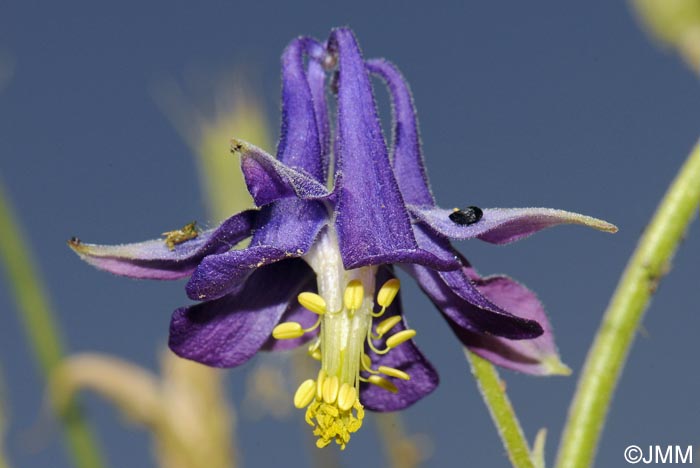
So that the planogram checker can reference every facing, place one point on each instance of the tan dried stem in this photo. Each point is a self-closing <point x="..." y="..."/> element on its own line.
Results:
<point x="185" y="409"/>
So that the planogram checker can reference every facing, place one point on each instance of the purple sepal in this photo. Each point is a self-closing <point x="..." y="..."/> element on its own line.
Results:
<point x="296" y="313"/>
<point x="154" y="260"/>
<point x="228" y="331"/>
<point x="299" y="145"/>
<point x="417" y="256"/>
<point x="457" y="298"/>
<point x="316" y="76"/>
<point x="371" y="218"/>
<point x="406" y="357"/>
<point x="538" y="356"/>
<point x="503" y="225"/>
<point x="286" y="229"/>
<point x="269" y="180"/>
<point x="407" y="157"/>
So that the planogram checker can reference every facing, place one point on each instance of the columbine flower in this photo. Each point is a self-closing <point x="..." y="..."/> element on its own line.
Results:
<point x="320" y="262"/>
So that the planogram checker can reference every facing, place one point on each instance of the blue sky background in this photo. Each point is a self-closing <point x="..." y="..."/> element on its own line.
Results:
<point x="555" y="104"/>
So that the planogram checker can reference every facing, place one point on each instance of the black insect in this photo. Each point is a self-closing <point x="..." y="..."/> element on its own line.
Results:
<point x="467" y="216"/>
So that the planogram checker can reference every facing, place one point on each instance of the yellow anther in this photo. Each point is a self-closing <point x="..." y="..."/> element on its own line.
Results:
<point x="354" y="294"/>
<point x="388" y="292"/>
<point x="319" y="383"/>
<point x="287" y="331"/>
<point x="330" y="389"/>
<point x="313" y="302"/>
<point x="391" y="372"/>
<point x="331" y="423"/>
<point x="404" y="335"/>
<point x="315" y="354"/>
<point x="387" y="324"/>
<point x="321" y="443"/>
<point x="346" y="397"/>
<point x="366" y="362"/>
<point x="305" y="393"/>
<point x="316" y="344"/>
<point x="383" y="383"/>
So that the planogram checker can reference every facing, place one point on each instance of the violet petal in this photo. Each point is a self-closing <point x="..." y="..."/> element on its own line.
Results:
<point x="269" y="180"/>
<point x="299" y="145"/>
<point x="372" y="221"/>
<point x="285" y="229"/>
<point x="316" y="76"/>
<point x="406" y="357"/>
<point x="407" y="158"/>
<point x="228" y="331"/>
<point x="457" y="298"/>
<point x="503" y="225"/>
<point x="538" y="356"/>
<point x="153" y="260"/>
<point x="296" y="313"/>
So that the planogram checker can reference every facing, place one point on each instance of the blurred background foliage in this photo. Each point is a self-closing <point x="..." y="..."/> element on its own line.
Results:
<point x="675" y="24"/>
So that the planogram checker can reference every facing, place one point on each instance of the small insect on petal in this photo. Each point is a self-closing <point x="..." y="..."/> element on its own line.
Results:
<point x="178" y="236"/>
<point x="467" y="216"/>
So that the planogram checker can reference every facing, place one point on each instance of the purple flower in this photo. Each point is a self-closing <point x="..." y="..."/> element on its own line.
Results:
<point x="319" y="266"/>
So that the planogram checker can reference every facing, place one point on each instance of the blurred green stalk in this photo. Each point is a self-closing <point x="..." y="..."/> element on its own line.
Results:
<point x="607" y="356"/>
<point x="3" y="425"/>
<point x="41" y="329"/>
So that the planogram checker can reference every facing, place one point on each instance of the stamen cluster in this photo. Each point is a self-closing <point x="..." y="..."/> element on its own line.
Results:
<point x="332" y="400"/>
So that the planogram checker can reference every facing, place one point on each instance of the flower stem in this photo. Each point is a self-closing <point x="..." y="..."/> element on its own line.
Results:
<point x="42" y="333"/>
<point x="501" y="410"/>
<point x="649" y="263"/>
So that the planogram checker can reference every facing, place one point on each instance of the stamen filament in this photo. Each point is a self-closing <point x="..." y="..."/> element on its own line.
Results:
<point x="393" y="341"/>
<point x="387" y="324"/>
<point x="392" y="372"/>
<point x="367" y="364"/>
<point x="383" y="383"/>
<point x="371" y="345"/>
<point x="344" y="305"/>
<point x="314" y="326"/>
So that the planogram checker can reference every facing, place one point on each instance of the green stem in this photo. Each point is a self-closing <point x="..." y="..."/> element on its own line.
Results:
<point x="650" y="262"/>
<point x="501" y="410"/>
<point x="3" y="461"/>
<point x="39" y="324"/>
